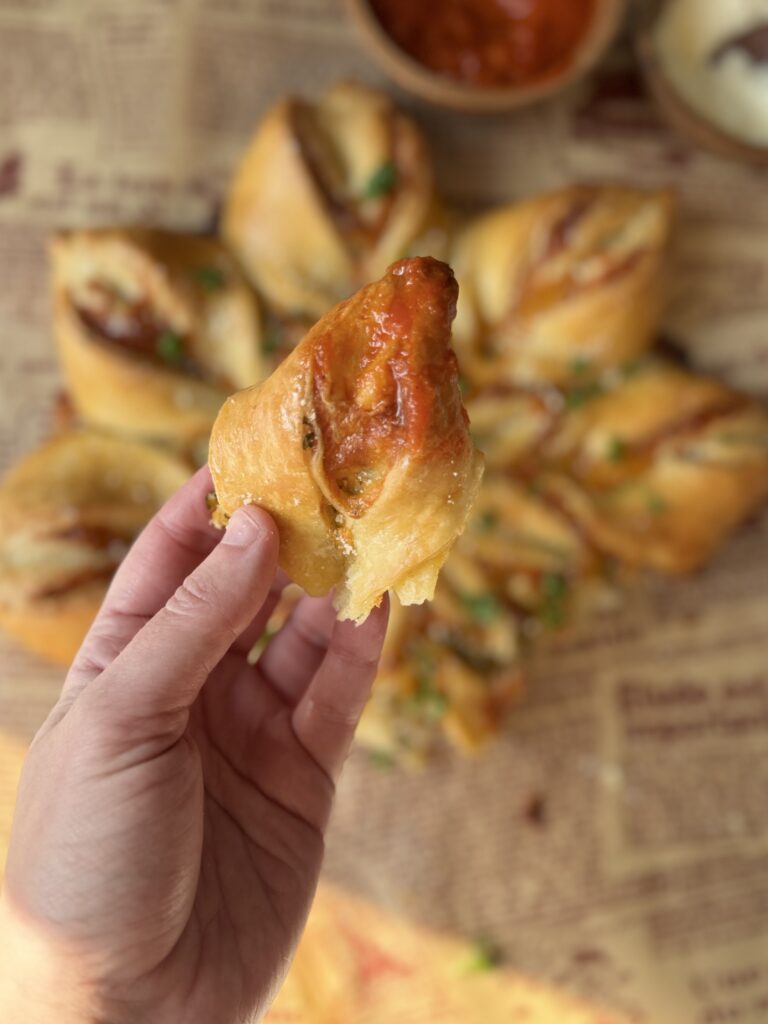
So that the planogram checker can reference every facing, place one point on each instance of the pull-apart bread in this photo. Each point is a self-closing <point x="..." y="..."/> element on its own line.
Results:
<point x="358" y="444"/>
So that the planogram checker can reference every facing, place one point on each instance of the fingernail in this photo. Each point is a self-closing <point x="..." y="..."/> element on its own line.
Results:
<point x="241" y="530"/>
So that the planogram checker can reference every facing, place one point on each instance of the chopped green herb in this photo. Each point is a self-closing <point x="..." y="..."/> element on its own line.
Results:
<point x="554" y="584"/>
<point x="260" y="646"/>
<point x="488" y="520"/>
<point x="484" y="956"/>
<point x="736" y="438"/>
<point x="170" y="347"/>
<point x="381" y="181"/>
<point x="210" y="278"/>
<point x="271" y="341"/>
<point x="426" y="697"/>
<point x="382" y="759"/>
<point x="580" y="364"/>
<point x="633" y="366"/>
<point x="554" y="590"/>
<point x="432" y="702"/>
<point x="616" y="450"/>
<point x="481" y="608"/>
<point x="656" y="504"/>
<point x="577" y="397"/>
<point x="463" y="384"/>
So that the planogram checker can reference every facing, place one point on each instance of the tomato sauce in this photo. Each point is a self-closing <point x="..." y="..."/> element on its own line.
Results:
<point x="488" y="43"/>
<point x="378" y="371"/>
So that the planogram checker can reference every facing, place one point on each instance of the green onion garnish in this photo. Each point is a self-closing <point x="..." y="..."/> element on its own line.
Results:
<point x="481" y="608"/>
<point x="381" y="181"/>
<point x="554" y="589"/>
<point x="210" y="278"/>
<point x="616" y="450"/>
<point x="170" y="347"/>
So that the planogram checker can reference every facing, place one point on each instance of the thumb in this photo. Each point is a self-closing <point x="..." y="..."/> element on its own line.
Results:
<point x="162" y="670"/>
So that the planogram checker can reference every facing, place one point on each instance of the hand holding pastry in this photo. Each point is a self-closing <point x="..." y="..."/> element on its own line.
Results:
<point x="169" y="825"/>
<point x="358" y="444"/>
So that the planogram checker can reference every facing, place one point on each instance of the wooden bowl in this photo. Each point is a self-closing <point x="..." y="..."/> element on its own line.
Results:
<point x="446" y="92"/>
<point x="680" y="117"/>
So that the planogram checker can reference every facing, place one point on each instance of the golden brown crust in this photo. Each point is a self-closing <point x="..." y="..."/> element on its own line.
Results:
<point x="154" y="329"/>
<point x="634" y="458"/>
<point x="358" y="444"/>
<point x="68" y="513"/>
<point x="561" y="282"/>
<point x="327" y="195"/>
<point x="650" y="468"/>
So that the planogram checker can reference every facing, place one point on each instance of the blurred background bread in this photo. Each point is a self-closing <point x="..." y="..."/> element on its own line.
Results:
<point x="69" y="511"/>
<point x="327" y="195"/>
<point x="154" y="330"/>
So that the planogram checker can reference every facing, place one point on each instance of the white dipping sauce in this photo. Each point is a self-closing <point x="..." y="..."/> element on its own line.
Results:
<point x="697" y="42"/>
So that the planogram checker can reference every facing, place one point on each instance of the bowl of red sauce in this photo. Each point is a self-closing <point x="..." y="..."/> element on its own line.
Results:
<point x="486" y="54"/>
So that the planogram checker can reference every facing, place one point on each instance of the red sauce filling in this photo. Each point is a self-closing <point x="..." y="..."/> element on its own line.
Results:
<point x="377" y="376"/>
<point x="488" y="43"/>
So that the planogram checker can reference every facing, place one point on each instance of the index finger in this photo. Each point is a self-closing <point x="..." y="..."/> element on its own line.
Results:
<point x="326" y="717"/>
<point x="173" y="543"/>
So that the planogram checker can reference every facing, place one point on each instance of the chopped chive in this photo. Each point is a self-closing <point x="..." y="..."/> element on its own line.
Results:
<point x="616" y="449"/>
<point x="381" y="181"/>
<point x="271" y="341"/>
<point x="382" y="759"/>
<point x="577" y="397"/>
<point x="736" y="438"/>
<point x="170" y="347"/>
<point x="483" y="956"/>
<point x="580" y="364"/>
<point x="426" y="697"/>
<point x="433" y="703"/>
<point x="656" y="504"/>
<point x="554" y="589"/>
<point x="488" y="520"/>
<point x="260" y="646"/>
<point x="633" y="367"/>
<point x="210" y="278"/>
<point x="481" y="608"/>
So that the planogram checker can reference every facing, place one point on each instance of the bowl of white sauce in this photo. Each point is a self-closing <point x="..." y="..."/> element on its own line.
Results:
<point x="706" y="64"/>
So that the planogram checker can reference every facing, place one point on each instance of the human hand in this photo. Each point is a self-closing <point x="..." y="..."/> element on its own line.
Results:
<point x="169" y="824"/>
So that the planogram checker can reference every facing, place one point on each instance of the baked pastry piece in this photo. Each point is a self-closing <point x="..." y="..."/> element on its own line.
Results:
<point x="328" y="194"/>
<point x="554" y="285"/>
<point x="662" y="469"/>
<point x="358" y="444"/>
<point x="650" y="466"/>
<point x="455" y="666"/>
<point x="68" y="513"/>
<point x="634" y="457"/>
<point x="154" y="330"/>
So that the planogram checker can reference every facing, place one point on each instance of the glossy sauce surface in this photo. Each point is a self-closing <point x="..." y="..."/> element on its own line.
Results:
<point x="396" y="358"/>
<point x="488" y="43"/>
